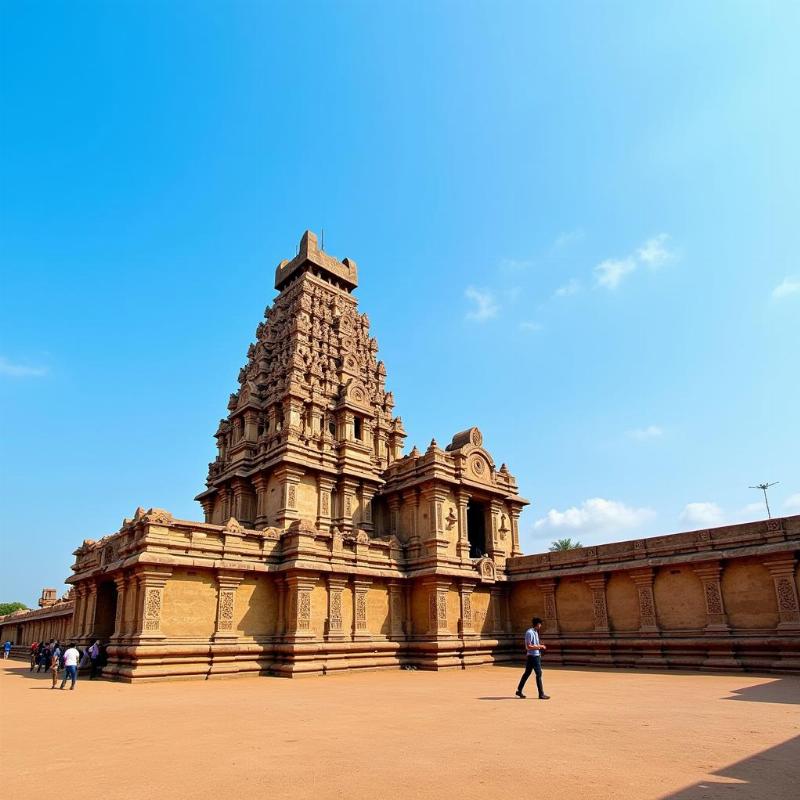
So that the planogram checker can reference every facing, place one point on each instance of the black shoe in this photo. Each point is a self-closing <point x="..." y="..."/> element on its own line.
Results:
<point x="544" y="696"/>
<point x="519" y="694"/>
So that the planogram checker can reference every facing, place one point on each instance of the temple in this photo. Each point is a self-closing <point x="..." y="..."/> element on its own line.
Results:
<point x="324" y="548"/>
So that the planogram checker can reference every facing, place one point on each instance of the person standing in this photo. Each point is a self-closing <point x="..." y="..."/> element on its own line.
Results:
<point x="34" y="654"/>
<point x="94" y="657"/>
<point x="71" y="656"/>
<point x="533" y="659"/>
<point x="6" y="648"/>
<point x="55" y="663"/>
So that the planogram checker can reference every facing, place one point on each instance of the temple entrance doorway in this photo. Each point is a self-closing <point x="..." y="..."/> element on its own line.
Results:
<point x="105" y="614"/>
<point x="476" y="528"/>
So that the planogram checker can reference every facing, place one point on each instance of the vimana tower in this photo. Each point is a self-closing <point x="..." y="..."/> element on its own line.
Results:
<point x="323" y="546"/>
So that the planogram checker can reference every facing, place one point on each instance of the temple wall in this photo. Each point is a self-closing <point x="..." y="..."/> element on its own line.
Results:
<point x="725" y="598"/>
<point x="189" y="605"/>
<point x="256" y="607"/>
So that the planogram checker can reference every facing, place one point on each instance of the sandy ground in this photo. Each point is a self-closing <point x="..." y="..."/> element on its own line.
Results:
<point x="604" y="734"/>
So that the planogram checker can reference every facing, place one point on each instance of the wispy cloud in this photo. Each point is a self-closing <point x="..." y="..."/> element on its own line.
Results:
<point x="654" y="253"/>
<point x="786" y="288"/>
<point x="572" y="286"/>
<point x="705" y="515"/>
<point x="645" y="434"/>
<point x="529" y="326"/>
<point x="609" y="273"/>
<point x="485" y="305"/>
<point x="513" y="266"/>
<point x="594" y="516"/>
<point x="566" y="238"/>
<point x="792" y="502"/>
<point x="12" y="370"/>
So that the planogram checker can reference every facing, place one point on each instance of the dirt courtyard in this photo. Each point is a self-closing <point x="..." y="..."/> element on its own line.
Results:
<point x="604" y="734"/>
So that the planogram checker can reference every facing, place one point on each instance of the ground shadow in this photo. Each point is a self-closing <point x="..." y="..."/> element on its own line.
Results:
<point x="769" y="774"/>
<point x="506" y="697"/>
<point x="778" y="690"/>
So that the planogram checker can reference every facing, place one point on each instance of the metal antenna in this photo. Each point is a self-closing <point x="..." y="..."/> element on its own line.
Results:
<point x="764" y="487"/>
<point x="322" y="245"/>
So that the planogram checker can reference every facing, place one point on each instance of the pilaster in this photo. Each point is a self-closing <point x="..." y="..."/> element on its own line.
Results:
<point x="466" y="588"/>
<point x="643" y="579"/>
<point x="396" y="609"/>
<point x="462" y="547"/>
<point x="360" y="620"/>
<point x="709" y="574"/>
<point x="298" y="618"/>
<point x="782" y="571"/>
<point x="150" y="602"/>
<point x="550" y="620"/>
<point x="436" y="590"/>
<point x="335" y="626"/>
<point x="599" y="607"/>
<point x="325" y="487"/>
<point x="227" y="583"/>
<point x="289" y="478"/>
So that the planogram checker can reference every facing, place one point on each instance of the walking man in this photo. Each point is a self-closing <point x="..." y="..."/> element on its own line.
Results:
<point x="71" y="656"/>
<point x="533" y="659"/>
<point x="6" y="649"/>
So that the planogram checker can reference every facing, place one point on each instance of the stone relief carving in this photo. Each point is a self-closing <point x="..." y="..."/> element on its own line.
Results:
<point x="361" y="610"/>
<point x="226" y="605"/>
<point x="787" y="599"/>
<point x="713" y="599"/>
<point x="304" y="610"/>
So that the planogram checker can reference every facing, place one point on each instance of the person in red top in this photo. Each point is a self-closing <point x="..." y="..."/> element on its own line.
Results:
<point x="34" y="652"/>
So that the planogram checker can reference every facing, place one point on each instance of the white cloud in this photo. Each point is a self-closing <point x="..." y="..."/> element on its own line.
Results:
<point x="13" y="370"/>
<point x="485" y="307"/>
<point x="792" y="502"/>
<point x="573" y="286"/>
<point x="787" y="287"/>
<point x="706" y="515"/>
<point x="646" y="434"/>
<point x="610" y="272"/>
<point x="594" y="516"/>
<point x="530" y="326"/>
<point x="654" y="252"/>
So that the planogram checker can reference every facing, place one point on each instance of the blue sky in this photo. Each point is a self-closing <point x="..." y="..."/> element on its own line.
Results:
<point x="576" y="227"/>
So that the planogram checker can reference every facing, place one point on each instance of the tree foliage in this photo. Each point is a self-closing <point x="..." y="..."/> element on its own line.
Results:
<point x="564" y="544"/>
<point x="8" y="608"/>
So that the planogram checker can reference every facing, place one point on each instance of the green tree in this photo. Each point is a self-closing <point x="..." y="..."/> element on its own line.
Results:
<point x="564" y="544"/>
<point x="7" y="608"/>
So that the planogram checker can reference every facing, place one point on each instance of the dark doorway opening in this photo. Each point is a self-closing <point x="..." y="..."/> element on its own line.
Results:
<point x="105" y="615"/>
<point x="476" y="529"/>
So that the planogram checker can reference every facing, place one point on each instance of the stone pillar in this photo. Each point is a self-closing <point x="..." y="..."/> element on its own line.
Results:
<point x="411" y="501"/>
<point x="335" y="628"/>
<point x="227" y="583"/>
<point x="514" y="514"/>
<point x="436" y="589"/>
<point x="76" y="628"/>
<point x="709" y="574"/>
<point x="366" y="494"/>
<point x="465" y="595"/>
<point x="250" y="425"/>
<point x="241" y="502"/>
<point x="121" y="582"/>
<point x="599" y="609"/>
<point x="462" y="547"/>
<point x="643" y="579"/>
<point x="782" y="570"/>
<point x="550" y="619"/>
<point x="396" y="610"/>
<point x="435" y="540"/>
<point x="393" y="502"/>
<point x="298" y="621"/>
<point x="324" y="502"/>
<point x="150" y="602"/>
<point x="347" y="506"/>
<point x="360" y="621"/>
<point x="91" y="607"/>
<point x="289" y="479"/>
<point x="260" y="485"/>
<point x="208" y="507"/>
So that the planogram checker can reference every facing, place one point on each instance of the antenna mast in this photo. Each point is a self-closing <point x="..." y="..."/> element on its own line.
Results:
<point x="764" y="487"/>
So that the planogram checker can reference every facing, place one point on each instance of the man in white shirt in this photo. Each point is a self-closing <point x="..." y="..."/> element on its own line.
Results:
<point x="533" y="659"/>
<point x="71" y="656"/>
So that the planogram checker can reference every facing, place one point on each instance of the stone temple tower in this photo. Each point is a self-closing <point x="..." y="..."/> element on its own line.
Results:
<point x="310" y="430"/>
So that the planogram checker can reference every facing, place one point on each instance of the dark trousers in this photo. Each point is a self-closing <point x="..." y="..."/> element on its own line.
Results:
<point x="532" y="664"/>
